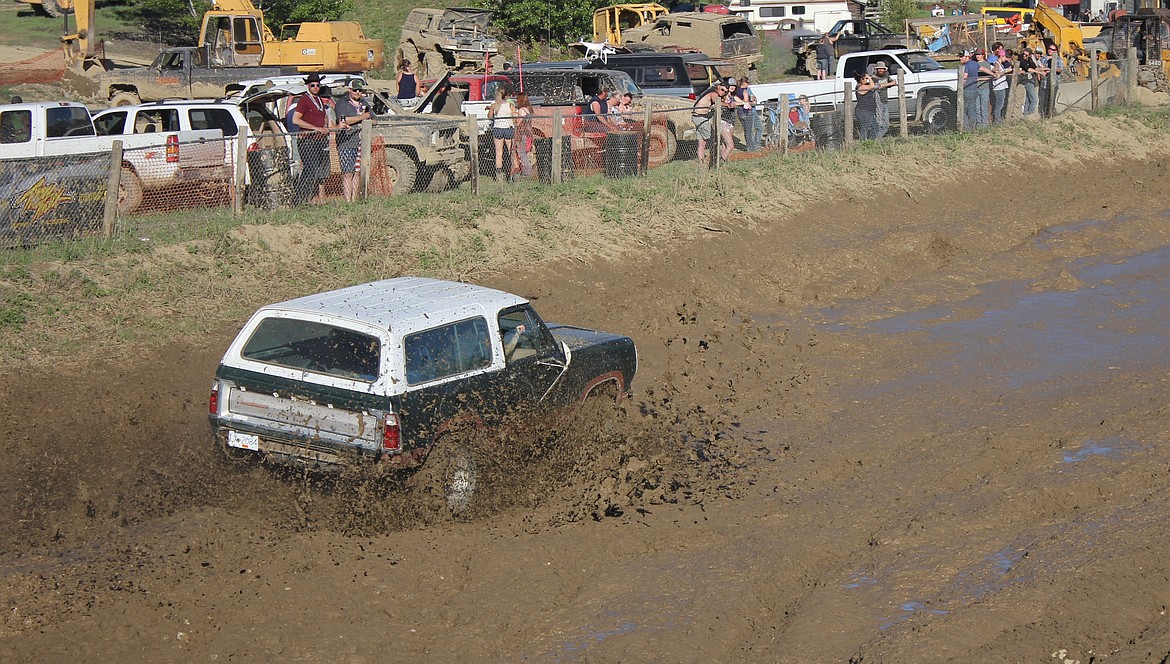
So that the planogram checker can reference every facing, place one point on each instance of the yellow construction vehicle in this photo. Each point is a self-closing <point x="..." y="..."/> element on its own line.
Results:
<point x="54" y="8"/>
<point x="608" y="22"/>
<point x="234" y="33"/>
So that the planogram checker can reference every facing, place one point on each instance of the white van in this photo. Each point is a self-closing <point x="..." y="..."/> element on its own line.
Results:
<point x="818" y="15"/>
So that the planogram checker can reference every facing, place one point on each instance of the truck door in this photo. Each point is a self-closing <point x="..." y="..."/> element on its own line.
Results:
<point x="533" y="360"/>
<point x="247" y="41"/>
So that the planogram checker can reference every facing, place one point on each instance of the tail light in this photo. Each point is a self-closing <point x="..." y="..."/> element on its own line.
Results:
<point x="391" y="436"/>
<point x="692" y="96"/>
<point x="213" y="402"/>
<point x="172" y="149"/>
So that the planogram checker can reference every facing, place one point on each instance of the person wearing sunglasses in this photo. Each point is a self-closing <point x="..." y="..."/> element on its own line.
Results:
<point x="312" y="119"/>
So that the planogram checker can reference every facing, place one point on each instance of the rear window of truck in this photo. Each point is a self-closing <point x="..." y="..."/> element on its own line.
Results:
<point x="317" y="347"/>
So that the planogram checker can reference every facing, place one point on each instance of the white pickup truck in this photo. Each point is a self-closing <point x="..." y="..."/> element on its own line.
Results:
<point x="150" y="160"/>
<point x="930" y="87"/>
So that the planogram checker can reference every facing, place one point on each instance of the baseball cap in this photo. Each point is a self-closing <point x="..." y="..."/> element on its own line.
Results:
<point x="965" y="54"/>
<point x="356" y="84"/>
<point x="980" y="51"/>
<point x="732" y="81"/>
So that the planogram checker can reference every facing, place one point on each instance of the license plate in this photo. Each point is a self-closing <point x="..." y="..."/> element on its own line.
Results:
<point x="244" y="441"/>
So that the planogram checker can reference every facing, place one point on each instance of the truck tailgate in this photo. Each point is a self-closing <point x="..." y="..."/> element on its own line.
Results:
<point x="298" y="419"/>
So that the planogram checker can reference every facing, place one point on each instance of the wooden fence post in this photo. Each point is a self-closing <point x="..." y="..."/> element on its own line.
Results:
<point x="903" y="122"/>
<point x="241" y="176"/>
<point x="848" y="114"/>
<point x="959" y="105"/>
<point x="1131" y="75"/>
<point x="717" y="134"/>
<point x="1012" y="112"/>
<point x="783" y="125"/>
<point x="558" y="132"/>
<point x="367" y="157"/>
<point x="473" y="150"/>
<point x="1094" y="79"/>
<point x="644" y="161"/>
<point x="113" y="184"/>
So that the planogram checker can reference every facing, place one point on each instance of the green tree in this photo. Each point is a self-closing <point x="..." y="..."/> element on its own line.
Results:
<point x="556" y="21"/>
<point x="894" y="12"/>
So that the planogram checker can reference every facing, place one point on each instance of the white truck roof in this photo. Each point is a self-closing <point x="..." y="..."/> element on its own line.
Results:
<point x="404" y="303"/>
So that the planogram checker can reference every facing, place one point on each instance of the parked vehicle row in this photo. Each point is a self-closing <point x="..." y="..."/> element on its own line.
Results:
<point x="156" y="157"/>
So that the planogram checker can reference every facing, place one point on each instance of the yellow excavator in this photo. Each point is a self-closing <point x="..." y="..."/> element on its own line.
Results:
<point x="235" y="36"/>
<point x="234" y="33"/>
<point x="54" y="8"/>
<point x="608" y="22"/>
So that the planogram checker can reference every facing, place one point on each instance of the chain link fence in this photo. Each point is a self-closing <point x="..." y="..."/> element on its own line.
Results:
<point x="68" y="197"/>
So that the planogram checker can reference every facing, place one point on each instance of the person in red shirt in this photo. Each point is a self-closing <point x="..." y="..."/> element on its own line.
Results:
<point x="312" y="118"/>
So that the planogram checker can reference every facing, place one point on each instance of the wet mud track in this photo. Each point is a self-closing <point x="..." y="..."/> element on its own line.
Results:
<point x="913" y="431"/>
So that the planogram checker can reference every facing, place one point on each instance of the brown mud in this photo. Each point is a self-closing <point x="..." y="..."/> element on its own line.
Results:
<point x="789" y="483"/>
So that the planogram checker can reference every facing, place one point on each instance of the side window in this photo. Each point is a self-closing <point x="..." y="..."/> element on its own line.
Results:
<point x="16" y="127"/>
<point x="111" y="124"/>
<point x="316" y="347"/>
<point x="213" y="118"/>
<point x="447" y="351"/>
<point x="524" y="335"/>
<point x="798" y="10"/>
<point x="68" y="121"/>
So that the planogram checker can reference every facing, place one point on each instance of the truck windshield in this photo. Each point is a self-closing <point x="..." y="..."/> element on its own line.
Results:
<point x="918" y="63"/>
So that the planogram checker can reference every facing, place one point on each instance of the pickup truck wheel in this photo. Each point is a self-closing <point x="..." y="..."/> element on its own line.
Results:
<point x="447" y="480"/>
<point x="938" y="116"/>
<point x="401" y="170"/>
<point x="125" y="99"/>
<point x="129" y="191"/>
<point x="663" y="145"/>
<point x="441" y="181"/>
<point x="810" y="63"/>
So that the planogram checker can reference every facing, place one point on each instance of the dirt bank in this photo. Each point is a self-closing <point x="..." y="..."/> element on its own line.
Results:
<point x="793" y="481"/>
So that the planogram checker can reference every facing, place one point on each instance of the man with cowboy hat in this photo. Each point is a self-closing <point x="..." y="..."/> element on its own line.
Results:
<point x="312" y="118"/>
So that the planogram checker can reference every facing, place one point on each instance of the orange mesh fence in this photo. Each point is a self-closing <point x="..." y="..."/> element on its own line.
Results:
<point x="44" y="68"/>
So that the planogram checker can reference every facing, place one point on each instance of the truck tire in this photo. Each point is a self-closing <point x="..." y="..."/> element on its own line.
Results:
<point x="125" y="98"/>
<point x="810" y="63"/>
<point x="441" y="180"/>
<point x="57" y="8"/>
<point x="938" y="116"/>
<point x="445" y="484"/>
<point x="663" y="146"/>
<point x="129" y="191"/>
<point x="401" y="170"/>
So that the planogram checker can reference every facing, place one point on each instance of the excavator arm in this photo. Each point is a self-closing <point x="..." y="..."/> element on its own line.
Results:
<point x="80" y="46"/>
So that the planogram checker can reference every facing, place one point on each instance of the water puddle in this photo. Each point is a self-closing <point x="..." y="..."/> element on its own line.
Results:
<point x="1113" y="448"/>
<point x="1011" y="336"/>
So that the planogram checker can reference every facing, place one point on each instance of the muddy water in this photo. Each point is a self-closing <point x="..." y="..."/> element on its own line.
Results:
<point x="964" y="462"/>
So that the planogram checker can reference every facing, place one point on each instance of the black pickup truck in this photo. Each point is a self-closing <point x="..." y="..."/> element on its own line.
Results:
<point x="179" y="73"/>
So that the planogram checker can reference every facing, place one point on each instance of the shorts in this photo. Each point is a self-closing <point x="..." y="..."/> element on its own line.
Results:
<point x="505" y="133"/>
<point x="703" y="127"/>
<point x="823" y="65"/>
<point x="349" y="159"/>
